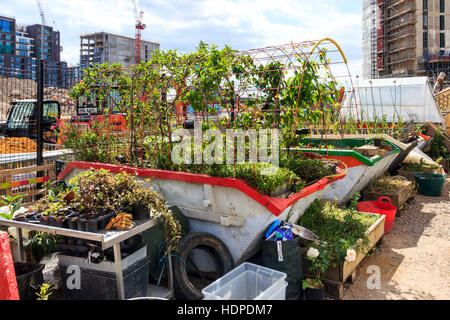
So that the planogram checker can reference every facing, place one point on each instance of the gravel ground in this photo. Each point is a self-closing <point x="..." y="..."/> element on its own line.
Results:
<point x="414" y="259"/>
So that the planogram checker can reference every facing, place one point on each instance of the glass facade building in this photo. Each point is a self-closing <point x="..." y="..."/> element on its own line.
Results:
<point x="20" y="49"/>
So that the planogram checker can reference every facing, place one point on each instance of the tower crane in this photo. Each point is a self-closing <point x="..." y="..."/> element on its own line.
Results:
<point x="139" y="27"/>
<point x="41" y="10"/>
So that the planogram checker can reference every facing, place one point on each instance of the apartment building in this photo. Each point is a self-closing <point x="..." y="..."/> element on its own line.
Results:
<point x="20" y="49"/>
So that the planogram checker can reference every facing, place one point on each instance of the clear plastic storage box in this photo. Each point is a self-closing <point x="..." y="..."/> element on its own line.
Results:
<point x="248" y="282"/>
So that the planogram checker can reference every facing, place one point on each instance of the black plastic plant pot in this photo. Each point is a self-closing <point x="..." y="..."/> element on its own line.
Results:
<point x="29" y="277"/>
<point x="34" y="217"/>
<point x="44" y="220"/>
<point x="81" y="224"/>
<point x="104" y="220"/>
<point x="303" y="131"/>
<point x="72" y="223"/>
<point x="92" y="225"/>
<point x="20" y="218"/>
<point x="52" y="221"/>
<point x="60" y="222"/>
<point x="378" y="142"/>
<point x="140" y="212"/>
<point x="315" y="294"/>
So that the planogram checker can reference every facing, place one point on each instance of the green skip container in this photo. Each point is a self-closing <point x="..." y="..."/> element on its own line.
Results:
<point x="430" y="184"/>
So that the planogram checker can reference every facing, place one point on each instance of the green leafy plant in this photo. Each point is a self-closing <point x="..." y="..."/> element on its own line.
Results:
<point x="13" y="203"/>
<point x="342" y="229"/>
<point x="97" y="190"/>
<point x="389" y="184"/>
<point x="438" y="149"/>
<point x="354" y="201"/>
<point x="308" y="170"/>
<point x="321" y="257"/>
<point x="41" y="244"/>
<point x="43" y="293"/>
<point x="421" y="166"/>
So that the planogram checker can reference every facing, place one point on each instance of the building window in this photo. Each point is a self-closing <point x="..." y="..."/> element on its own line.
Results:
<point x="442" y="40"/>
<point x="442" y="6"/>
<point x="425" y="22"/>
<point x="442" y="22"/>
<point x="425" y="5"/>
<point x="5" y="26"/>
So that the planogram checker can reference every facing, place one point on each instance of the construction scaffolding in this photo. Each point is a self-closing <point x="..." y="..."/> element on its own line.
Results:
<point x="399" y="39"/>
<point x="396" y="39"/>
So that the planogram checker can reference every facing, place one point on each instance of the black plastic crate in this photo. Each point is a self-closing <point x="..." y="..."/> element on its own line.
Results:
<point x="97" y="285"/>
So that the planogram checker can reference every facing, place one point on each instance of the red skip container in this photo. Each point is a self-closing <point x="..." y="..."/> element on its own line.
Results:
<point x="381" y="207"/>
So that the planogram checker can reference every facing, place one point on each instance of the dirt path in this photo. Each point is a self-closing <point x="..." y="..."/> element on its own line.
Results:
<point x="414" y="259"/>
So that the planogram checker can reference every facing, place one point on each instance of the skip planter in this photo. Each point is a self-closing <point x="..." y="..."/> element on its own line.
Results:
<point x="226" y="207"/>
<point x="361" y="169"/>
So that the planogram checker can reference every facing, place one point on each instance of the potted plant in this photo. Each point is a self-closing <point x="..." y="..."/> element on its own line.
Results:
<point x="378" y="140"/>
<point x="13" y="203"/>
<point x="320" y="258"/>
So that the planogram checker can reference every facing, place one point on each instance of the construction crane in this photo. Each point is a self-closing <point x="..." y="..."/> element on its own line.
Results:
<point x="139" y="27"/>
<point x="41" y="10"/>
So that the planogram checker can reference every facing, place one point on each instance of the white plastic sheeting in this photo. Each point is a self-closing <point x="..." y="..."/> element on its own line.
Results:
<point x="403" y="99"/>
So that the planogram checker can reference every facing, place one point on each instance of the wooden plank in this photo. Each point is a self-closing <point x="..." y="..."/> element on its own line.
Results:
<point x="4" y="173"/>
<point x="371" y="150"/>
<point x="32" y="192"/>
<point x="375" y="233"/>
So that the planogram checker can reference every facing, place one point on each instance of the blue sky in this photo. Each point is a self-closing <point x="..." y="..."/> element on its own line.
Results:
<point x="181" y="24"/>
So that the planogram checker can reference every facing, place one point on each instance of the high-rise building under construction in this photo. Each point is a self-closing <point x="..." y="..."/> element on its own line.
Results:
<point x="406" y="38"/>
<point x="103" y="47"/>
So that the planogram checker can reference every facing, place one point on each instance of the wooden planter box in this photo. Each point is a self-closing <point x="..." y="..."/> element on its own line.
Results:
<point x="446" y="164"/>
<point x="398" y="198"/>
<point x="410" y="174"/>
<point x="336" y="276"/>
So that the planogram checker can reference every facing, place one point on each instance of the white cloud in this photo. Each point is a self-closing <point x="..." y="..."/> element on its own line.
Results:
<point x="178" y="24"/>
